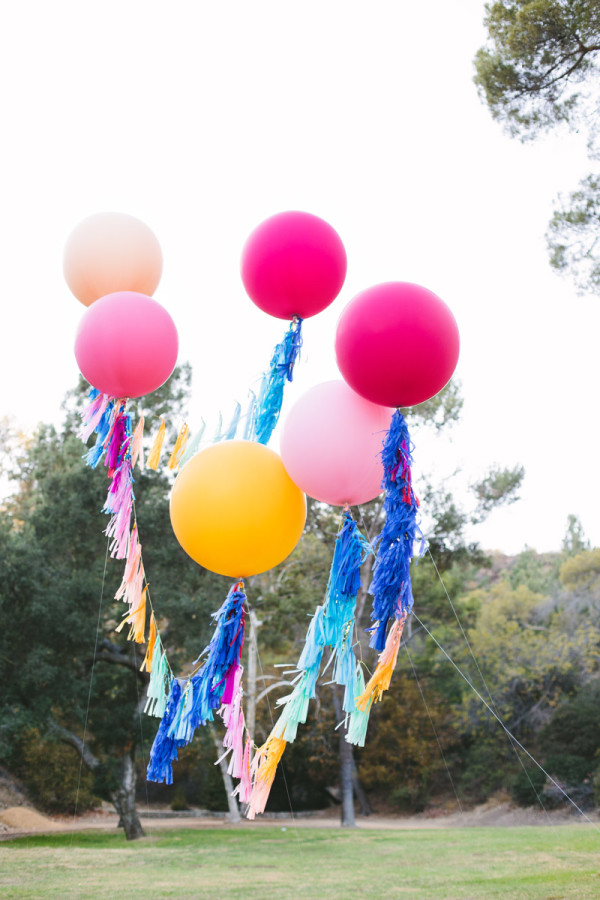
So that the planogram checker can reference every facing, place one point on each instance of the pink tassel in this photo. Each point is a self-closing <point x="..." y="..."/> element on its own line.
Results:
<point x="233" y="719"/>
<point x="92" y="414"/>
<point x="244" y="788"/>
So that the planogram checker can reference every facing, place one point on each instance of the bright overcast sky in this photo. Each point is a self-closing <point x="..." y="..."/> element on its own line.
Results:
<point x="202" y="119"/>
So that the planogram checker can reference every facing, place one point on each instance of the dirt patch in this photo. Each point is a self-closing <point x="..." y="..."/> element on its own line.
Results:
<point x="21" y="818"/>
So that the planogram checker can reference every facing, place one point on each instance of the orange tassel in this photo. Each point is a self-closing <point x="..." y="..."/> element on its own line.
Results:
<point x="147" y="664"/>
<point x="137" y="450"/>
<point x="264" y="767"/>
<point x="179" y="447"/>
<point x="154" y="458"/>
<point x="137" y="621"/>
<point x="382" y="676"/>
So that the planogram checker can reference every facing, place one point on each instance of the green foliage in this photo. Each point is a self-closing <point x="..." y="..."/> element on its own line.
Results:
<point x="572" y="236"/>
<point x="41" y="758"/>
<point x="538" y="70"/>
<point x="528" y="786"/>
<point x="538" y="51"/>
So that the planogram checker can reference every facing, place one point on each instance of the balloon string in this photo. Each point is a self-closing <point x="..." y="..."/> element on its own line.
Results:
<point x="483" y="680"/>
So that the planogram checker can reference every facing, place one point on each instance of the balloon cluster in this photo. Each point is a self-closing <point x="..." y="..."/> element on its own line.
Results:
<point x="237" y="507"/>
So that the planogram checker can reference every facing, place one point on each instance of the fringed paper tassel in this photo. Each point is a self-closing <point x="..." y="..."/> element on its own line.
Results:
<point x="380" y="680"/>
<point x="233" y="718"/>
<point x="222" y="654"/>
<point x="159" y="686"/>
<point x="132" y="584"/>
<point x="93" y="414"/>
<point x="281" y="370"/>
<point x="97" y="417"/>
<point x="137" y="446"/>
<point x="391" y="585"/>
<point x="146" y="666"/>
<point x="119" y="501"/>
<point x="164" y="749"/>
<point x="359" y="718"/>
<point x="181" y="729"/>
<point x="154" y="457"/>
<point x="244" y="789"/>
<point x="179" y="448"/>
<point x="264" y="768"/>
<point x="136" y="619"/>
<point x="344" y="672"/>
<point x="193" y="445"/>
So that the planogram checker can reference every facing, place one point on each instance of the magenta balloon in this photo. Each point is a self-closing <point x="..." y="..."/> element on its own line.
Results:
<point x="331" y="443"/>
<point x="126" y="344"/>
<point x="293" y="264"/>
<point x="397" y="344"/>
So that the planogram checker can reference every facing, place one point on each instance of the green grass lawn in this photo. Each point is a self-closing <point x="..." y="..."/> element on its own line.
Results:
<point x="270" y="862"/>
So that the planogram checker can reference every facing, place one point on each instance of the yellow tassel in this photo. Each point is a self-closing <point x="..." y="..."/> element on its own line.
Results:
<point x="137" y="621"/>
<point x="382" y="676"/>
<point x="179" y="447"/>
<point x="137" y="450"/>
<point x="264" y="767"/>
<point x="147" y="664"/>
<point x="154" y="458"/>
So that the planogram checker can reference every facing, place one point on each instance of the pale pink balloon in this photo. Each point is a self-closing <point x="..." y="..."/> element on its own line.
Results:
<point x="110" y="252"/>
<point x="331" y="444"/>
<point x="126" y="344"/>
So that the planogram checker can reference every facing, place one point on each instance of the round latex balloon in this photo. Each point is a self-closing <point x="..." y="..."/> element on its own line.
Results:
<point x="331" y="444"/>
<point x="126" y="344"/>
<point x="111" y="252"/>
<point x="397" y="344"/>
<point x="293" y="264"/>
<point x="235" y="510"/>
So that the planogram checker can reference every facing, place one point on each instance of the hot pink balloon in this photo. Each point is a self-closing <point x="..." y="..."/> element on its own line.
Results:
<point x="397" y="344"/>
<point x="331" y="443"/>
<point x="126" y="344"/>
<point x="293" y="264"/>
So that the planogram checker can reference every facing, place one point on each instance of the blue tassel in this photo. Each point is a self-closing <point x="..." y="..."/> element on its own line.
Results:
<point x="164" y="748"/>
<point x="281" y="370"/>
<point x="233" y="425"/>
<point x="222" y="653"/>
<point x="94" y="454"/>
<point x="391" y="585"/>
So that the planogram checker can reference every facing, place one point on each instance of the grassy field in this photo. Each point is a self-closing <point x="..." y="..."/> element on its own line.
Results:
<point x="547" y="863"/>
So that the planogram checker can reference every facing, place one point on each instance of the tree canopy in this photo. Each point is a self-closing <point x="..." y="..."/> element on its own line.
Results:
<point x="538" y="70"/>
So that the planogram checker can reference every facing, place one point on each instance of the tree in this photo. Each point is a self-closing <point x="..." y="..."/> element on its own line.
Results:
<point x="539" y="70"/>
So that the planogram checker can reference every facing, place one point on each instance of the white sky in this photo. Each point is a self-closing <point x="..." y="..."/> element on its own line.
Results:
<point x="202" y="119"/>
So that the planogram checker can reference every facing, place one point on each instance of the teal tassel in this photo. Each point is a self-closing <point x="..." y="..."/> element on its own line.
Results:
<point x="359" y="719"/>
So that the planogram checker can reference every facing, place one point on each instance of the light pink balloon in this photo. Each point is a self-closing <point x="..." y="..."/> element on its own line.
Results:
<point x="331" y="443"/>
<point x="110" y="252"/>
<point x="126" y="344"/>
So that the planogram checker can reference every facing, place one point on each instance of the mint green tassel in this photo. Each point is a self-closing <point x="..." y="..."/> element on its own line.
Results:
<point x="359" y="719"/>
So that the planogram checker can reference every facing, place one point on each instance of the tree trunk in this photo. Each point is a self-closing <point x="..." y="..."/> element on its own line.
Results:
<point x="359" y="793"/>
<point x="252" y="657"/>
<point x="234" y="810"/>
<point x="123" y="798"/>
<point x="346" y="767"/>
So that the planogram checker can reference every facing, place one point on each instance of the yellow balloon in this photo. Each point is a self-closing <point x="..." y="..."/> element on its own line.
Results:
<point x="235" y="510"/>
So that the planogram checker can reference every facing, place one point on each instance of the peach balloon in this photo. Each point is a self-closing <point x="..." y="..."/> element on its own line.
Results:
<point x="110" y="252"/>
